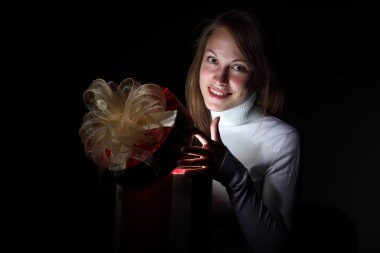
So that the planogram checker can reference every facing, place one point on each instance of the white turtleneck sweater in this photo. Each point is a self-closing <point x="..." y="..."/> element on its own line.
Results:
<point x="254" y="190"/>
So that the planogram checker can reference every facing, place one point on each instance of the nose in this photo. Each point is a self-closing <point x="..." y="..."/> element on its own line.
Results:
<point x="221" y="76"/>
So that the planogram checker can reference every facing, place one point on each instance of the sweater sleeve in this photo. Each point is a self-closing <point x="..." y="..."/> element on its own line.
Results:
<point x="266" y="228"/>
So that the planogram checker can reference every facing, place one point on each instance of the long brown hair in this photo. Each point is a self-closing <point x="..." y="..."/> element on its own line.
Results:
<point x="249" y="37"/>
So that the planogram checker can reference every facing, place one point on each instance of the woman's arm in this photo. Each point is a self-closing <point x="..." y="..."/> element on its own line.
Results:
<point x="265" y="220"/>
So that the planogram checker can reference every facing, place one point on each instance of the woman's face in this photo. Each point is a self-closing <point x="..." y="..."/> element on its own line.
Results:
<point x="224" y="73"/>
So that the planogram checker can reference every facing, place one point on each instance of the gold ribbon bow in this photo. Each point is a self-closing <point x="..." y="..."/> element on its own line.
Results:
<point x="119" y="117"/>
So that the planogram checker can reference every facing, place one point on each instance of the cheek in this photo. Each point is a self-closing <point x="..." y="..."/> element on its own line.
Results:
<point x="203" y="74"/>
<point x="241" y="82"/>
<point x="205" y="70"/>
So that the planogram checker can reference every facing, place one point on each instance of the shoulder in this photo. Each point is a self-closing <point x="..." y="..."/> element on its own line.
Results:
<point x="276" y="126"/>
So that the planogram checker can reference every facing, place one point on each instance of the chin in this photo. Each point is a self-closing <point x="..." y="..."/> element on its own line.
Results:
<point x="216" y="108"/>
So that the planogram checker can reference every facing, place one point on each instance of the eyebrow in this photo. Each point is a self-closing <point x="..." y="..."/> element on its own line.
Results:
<point x="237" y="60"/>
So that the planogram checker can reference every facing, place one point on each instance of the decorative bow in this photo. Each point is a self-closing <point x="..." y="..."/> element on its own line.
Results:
<point x="120" y="117"/>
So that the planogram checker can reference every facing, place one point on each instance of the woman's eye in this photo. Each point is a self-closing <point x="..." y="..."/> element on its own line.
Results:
<point x="240" y="68"/>
<point x="212" y="60"/>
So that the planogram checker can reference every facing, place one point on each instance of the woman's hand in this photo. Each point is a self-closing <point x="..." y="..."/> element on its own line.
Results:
<point x="210" y="155"/>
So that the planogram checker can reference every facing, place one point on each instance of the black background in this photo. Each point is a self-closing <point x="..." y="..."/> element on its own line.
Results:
<point x="52" y="198"/>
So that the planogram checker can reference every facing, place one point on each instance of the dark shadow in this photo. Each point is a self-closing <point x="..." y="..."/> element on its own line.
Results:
<point x="321" y="228"/>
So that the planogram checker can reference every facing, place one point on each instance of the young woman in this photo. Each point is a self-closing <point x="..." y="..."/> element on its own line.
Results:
<point x="252" y="155"/>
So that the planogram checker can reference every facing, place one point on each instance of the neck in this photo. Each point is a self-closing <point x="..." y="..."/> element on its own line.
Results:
<point x="240" y="114"/>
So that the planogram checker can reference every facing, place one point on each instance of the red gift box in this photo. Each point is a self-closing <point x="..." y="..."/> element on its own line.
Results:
<point x="171" y="215"/>
<point x="157" y="207"/>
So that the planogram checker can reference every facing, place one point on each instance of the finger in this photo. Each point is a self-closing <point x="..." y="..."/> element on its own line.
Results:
<point x="193" y="162"/>
<point x="195" y="151"/>
<point x="214" y="129"/>
<point x="202" y="137"/>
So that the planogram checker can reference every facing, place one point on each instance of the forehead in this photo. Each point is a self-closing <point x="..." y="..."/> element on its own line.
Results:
<point x="221" y="42"/>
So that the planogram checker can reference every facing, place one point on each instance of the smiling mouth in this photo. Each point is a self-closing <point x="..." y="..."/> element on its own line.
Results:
<point x="218" y="93"/>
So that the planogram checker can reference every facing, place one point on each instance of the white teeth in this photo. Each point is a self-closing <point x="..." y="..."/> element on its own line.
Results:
<point x="217" y="92"/>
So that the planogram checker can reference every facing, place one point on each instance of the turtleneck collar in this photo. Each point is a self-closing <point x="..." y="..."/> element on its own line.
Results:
<point x="239" y="114"/>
